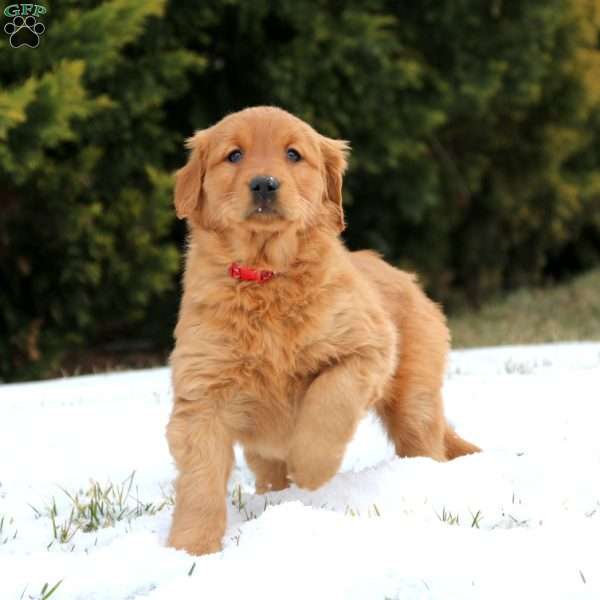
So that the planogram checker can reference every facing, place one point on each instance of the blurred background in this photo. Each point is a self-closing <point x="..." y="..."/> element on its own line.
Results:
<point x="475" y="127"/>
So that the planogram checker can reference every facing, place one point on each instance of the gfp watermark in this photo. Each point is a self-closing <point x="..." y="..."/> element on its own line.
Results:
<point x="24" y="28"/>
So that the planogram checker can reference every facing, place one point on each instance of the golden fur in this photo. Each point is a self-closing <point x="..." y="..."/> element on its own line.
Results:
<point x="288" y="367"/>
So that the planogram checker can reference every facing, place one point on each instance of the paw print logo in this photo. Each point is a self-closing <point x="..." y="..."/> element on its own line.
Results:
<point x="24" y="31"/>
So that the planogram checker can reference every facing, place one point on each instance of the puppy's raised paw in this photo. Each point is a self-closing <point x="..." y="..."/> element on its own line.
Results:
<point x="310" y="468"/>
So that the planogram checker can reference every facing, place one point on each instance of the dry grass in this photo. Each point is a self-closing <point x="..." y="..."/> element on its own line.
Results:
<point x="98" y="507"/>
<point x="568" y="312"/>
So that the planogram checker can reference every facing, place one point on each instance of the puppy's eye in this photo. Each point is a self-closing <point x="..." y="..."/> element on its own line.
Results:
<point x="293" y="155"/>
<point x="235" y="156"/>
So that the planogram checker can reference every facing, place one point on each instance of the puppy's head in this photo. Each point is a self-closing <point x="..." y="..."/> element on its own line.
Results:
<point x="262" y="169"/>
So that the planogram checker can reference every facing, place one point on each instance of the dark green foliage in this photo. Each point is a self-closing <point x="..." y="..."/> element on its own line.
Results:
<point x="475" y="129"/>
<point x="85" y="216"/>
<point x="469" y="123"/>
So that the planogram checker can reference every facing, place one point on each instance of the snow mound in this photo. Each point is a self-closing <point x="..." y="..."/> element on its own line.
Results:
<point x="85" y="496"/>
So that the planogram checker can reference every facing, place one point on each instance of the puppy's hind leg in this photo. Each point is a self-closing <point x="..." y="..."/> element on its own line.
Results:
<point x="456" y="446"/>
<point x="271" y="474"/>
<point x="414" y="421"/>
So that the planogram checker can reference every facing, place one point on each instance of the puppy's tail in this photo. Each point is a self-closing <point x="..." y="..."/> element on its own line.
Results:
<point x="456" y="446"/>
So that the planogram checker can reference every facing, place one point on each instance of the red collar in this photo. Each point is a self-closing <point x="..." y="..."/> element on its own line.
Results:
<point x="248" y="274"/>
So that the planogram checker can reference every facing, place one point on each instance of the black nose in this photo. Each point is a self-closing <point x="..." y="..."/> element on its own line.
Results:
<point x="263" y="188"/>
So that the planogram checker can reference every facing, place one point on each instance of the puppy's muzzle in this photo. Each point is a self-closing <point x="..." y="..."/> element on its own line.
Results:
<point x="264" y="191"/>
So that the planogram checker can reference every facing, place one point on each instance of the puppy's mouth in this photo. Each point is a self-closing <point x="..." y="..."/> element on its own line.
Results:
<point x="264" y="212"/>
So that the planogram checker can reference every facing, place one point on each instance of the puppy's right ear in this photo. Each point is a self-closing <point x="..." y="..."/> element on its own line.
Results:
<point x="188" y="180"/>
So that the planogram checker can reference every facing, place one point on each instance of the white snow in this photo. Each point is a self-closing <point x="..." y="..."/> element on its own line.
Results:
<point x="520" y="520"/>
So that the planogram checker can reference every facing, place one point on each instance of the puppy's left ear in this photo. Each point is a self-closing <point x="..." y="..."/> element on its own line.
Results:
<point x="335" y="161"/>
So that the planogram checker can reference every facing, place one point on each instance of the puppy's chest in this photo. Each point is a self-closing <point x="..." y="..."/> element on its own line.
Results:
<point x="253" y="346"/>
<point x="272" y="337"/>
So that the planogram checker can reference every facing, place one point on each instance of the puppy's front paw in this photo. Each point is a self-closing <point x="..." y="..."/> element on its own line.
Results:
<point x="194" y="544"/>
<point x="311" y="467"/>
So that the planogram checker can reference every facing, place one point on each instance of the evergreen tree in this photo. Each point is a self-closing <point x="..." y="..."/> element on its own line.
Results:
<point x="86" y="215"/>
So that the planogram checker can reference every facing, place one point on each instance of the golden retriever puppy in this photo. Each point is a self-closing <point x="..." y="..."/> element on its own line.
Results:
<point x="286" y="339"/>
